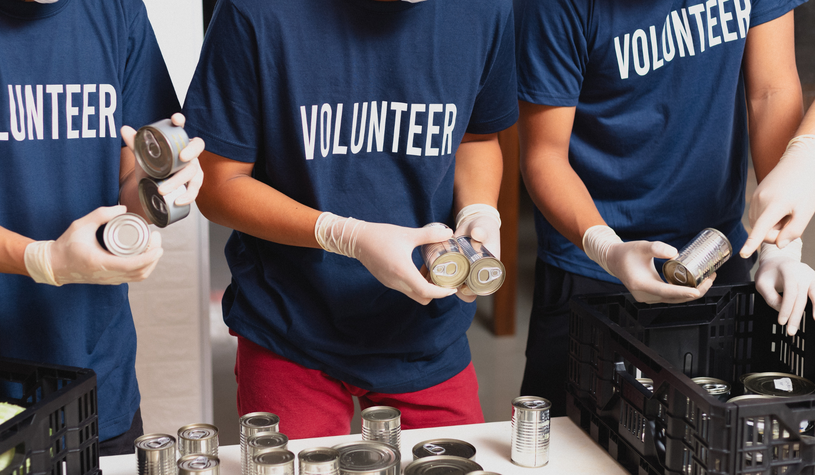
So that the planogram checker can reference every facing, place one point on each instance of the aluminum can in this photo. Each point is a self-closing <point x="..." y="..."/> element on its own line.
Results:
<point x="717" y="388"/>
<point x="198" y="438"/>
<point x="455" y="447"/>
<point x="155" y="454"/>
<point x="251" y="424"/>
<point x="647" y="382"/>
<point x="777" y="384"/>
<point x="442" y="465"/>
<point x="447" y="266"/>
<point x="125" y="235"/>
<point x="382" y="424"/>
<point x="319" y="461"/>
<point x="199" y="464"/>
<point x="698" y="259"/>
<point x="530" y="431"/>
<point x="157" y="146"/>
<point x="368" y="457"/>
<point x="273" y="462"/>
<point x="260" y="442"/>
<point x="161" y="209"/>
<point x="487" y="273"/>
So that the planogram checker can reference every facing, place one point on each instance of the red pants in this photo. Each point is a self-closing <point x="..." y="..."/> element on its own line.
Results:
<point x="313" y="404"/>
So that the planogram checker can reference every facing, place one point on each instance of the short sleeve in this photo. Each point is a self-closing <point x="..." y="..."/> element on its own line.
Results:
<point x="763" y="11"/>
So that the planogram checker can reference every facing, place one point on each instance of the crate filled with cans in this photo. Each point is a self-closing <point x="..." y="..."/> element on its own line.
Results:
<point x="712" y="386"/>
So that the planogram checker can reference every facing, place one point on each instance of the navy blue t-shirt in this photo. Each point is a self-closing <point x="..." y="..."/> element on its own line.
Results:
<point x="71" y="75"/>
<point x="660" y="129"/>
<point x="355" y="107"/>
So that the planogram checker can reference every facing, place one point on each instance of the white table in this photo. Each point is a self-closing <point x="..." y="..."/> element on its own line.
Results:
<point x="570" y="451"/>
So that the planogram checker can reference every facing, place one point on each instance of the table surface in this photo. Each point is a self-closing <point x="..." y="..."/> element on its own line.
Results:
<point x="571" y="450"/>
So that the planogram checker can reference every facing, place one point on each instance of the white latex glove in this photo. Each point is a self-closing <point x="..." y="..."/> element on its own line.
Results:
<point x="385" y="250"/>
<point x="633" y="263"/>
<point x="482" y="223"/>
<point x="77" y="258"/>
<point x="781" y="271"/>
<point x="784" y="201"/>
<point x="191" y="176"/>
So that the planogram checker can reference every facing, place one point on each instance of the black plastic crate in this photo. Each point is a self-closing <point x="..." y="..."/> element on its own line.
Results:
<point x="678" y="428"/>
<point x="58" y="432"/>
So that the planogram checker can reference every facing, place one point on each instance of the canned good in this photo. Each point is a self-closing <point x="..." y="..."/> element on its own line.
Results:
<point x="198" y="438"/>
<point x="319" y="461"/>
<point x="260" y="442"/>
<point x="432" y="447"/>
<point x="157" y="146"/>
<point x="446" y="264"/>
<point x="698" y="259"/>
<point x="382" y="424"/>
<point x="155" y="454"/>
<point x="368" y="457"/>
<point x="647" y="382"/>
<point x="530" y="431"/>
<point x="198" y="464"/>
<point x="441" y="465"/>
<point x="777" y="384"/>
<point x="161" y="209"/>
<point x="487" y="273"/>
<point x="717" y="388"/>
<point x="251" y="424"/>
<point x="273" y="462"/>
<point x="125" y="235"/>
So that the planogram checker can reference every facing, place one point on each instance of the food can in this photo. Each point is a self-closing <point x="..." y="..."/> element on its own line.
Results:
<point x="717" y="388"/>
<point x="273" y="462"/>
<point x="319" y="461"/>
<point x="161" y="209"/>
<point x="442" y="465"/>
<point x="157" y="146"/>
<point x="487" y="273"/>
<point x="455" y="447"/>
<point x="199" y="464"/>
<point x="530" y="431"/>
<point x="368" y="457"/>
<point x="125" y="235"/>
<point x="260" y="442"/>
<point x="777" y="384"/>
<point x="198" y="438"/>
<point x="382" y="424"/>
<point x="647" y="382"/>
<point x="155" y="454"/>
<point x="698" y="259"/>
<point x="446" y="264"/>
<point x="251" y="424"/>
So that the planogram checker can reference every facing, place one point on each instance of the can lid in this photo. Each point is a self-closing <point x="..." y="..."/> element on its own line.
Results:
<point x="432" y="447"/>
<point x="198" y="462"/>
<point x="647" y="382"/>
<point x="259" y="420"/>
<point x="531" y="403"/>
<point x="381" y="414"/>
<point x="316" y="457"/>
<point x="778" y="384"/>
<point x="198" y="431"/>
<point x="441" y="465"/>
<point x="676" y="273"/>
<point x="267" y="439"/>
<point x="714" y="387"/>
<point x="153" y="204"/>
<point x="366" y="455"/>
<point x="126" y="235"/>
<point x="154" y="441"/>
<point x="273" y="457"/>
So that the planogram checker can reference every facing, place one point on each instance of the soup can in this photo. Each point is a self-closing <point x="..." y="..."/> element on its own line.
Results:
<point x="157" y="146"/>
<point x="273" y="462"/>
<point x="717" y="388"/>
<point x="699" y="259"/>
<point x="487" y="273"/>
<point x="368" y="457"/>
<point x="455" y="447"/>
<point x="198" y="438"/>
<point x="442" y="465"/>
<point x="260" y="442"/>
<point x="530" y="431"/>
<point x="125" y="235"/>
<point x="446" y="265"/>
<point x="319" y="461"/>
<point x="161" y="209"/>
<point x="777" y="384"/>
<point x="199" y="464"/>
<point x="382" y="424"/>
<point x="251" y="424"/>
<point x="155" y="454"/>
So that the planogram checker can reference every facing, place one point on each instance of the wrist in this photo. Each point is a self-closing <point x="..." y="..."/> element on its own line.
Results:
<point x="597" y="240"/>
<point x="790" y="251"/>
<point x="477" y="209"/>
<point x="337" y="234"/>
<point x="38" y="262"/>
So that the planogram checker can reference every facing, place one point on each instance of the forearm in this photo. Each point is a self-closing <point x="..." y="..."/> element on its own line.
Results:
<point x="774" y="118"/>
<point x="479" y="169"/>
<point x="12" y="252"/>
<point x="129" y="176"/>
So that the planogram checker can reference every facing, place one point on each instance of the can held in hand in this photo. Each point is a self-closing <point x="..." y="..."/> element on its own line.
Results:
<point x="368" y="457"/>
<point x="161" y="209"/>
<point x="455" y="447"/>
<point x="155" y="454"/>
<point x="717" y="388"/>
<point x="487" y="273"/>
<point x="319" y="461"/>
<point x="447" y="266"/>
<point x="125" y="235"/>
<point x="273" y="462"/>
<point x="157" y="146"/>
<point x="382" y="424"/>
<point x="251" y="424"/>
<point x="198" y="438"/>
<point x="441" y="465"/>
<point x="530" y="431"/>
<point x="698" y="259"/>
<point x="199" y="464"/>
<point x="260" y="442"/>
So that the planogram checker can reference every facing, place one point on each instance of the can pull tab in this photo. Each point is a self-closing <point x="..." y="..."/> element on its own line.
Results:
<point x="197" y="434"/>
<point x="434" y="449"/>
<point x="199" y="463"/>
<point x="536" y="404"/>
<point x="158" y="443"/>
<point x="152" y="145"/>
<point x="158" y="204"/>
<point x="488" y="274"/>
<point x="681" y="275"/>
<point x="449" y="268"/>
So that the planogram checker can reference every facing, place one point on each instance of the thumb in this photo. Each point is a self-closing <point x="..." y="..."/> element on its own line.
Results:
<point x="660" y="250"/>
<point x="102" y="215"/>
<point x="434" y="234"/>
<point x="128" y="135"/>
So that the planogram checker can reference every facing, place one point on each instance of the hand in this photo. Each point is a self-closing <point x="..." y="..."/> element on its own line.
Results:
<point x="780" y="271"/>
<point x="77" y="258"/>
<point x="191" y="176"/>
<point x="482" y="223"/>
<point x="633" y="263"/>
<point x="784" y="201"/>
<point x="385" y="250"/>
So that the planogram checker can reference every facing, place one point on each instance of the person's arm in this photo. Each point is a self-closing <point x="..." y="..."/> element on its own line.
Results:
<point x="12" y="250"/>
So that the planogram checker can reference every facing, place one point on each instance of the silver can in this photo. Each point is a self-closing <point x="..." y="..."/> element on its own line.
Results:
<point x="319" y="461"/>
<point x="441" y="465"/>
<point x="368" y="457"/>
<point x="161" y="209"/>
<point x="199" y="464"/>
<point x="530" y="431"/>
<point x="198" y="438"/>
<point x="382" y="424"/>
<point x="446" y="265"/>
<point x="487" y="273"/>
<point x="717" y="388"/>
<point x="125" y="235"/>
<point x="455" y="447"/>
<point x="273" y="462"/>
<point x="251" y="424"/>
<point x="155" y="454"/>
<point x="777" y="384"/>
<point x="157" y="146"/>
<point x="699" y="259"/>
<point x="260" y="442"/>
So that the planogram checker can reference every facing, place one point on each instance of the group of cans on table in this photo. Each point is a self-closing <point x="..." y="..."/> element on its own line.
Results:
<point x="461" y="260"/>
<point x="157" y="147"/>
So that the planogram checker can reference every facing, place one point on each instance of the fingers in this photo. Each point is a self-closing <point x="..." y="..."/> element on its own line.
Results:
<point x="178" y="119"/>
<point x="192" y="150"/>
<point x="102" y="215"/>
<point x="191" y="176"/>
<point x="465" y="294"/>
<point x="424" y="292"/>
<point x="764" y="230"/>
<point x="662" y="250"/>
<point x="791" y="231"/>
<point x="433" y="234"/>
<point x="128" y="135"/>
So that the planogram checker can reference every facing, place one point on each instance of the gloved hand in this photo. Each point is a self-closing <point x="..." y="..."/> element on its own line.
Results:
<point x="482" y="223"/>
<point x="385" y="250"/>
<point x="633" y="263"/>
<point x="781" y="270"/>
<point x="784" y="201"/>
<point x="77" y="258"/>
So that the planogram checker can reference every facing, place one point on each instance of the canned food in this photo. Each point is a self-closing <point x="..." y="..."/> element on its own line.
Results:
<point x="198" y="438"/>
<point x="125" y="235"/>
<point x="273" y="462"/>
<point x="777" y="384"/>
<point x="699" y="259"/>
<point x="368" y="457"/>
<point x="161" y="209"/>
<point x="487" y="273"/>
<point x="251" y="424"/>
<point x="155" y="454"/>
<point x="432" y="447"/>
<point x="198" y="464"/>
<point x="441" y="465"/>
<point x="717" y="388"/>
<point x="319" y="461"/>
<point x="530" y="431"/>
<point x="382" y="424"/>
<point x="647" y="382"/>
<point x="260" y="442"/>
<point x="157" y="146"/>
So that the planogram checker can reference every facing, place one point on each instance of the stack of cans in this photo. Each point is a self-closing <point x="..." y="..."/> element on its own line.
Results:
<point x="261" y="442"/>
<point x="198" y="439"/>
<point x="441" y="465"/>
<point x="383" y="424"/>
<point x="369" y="458"/>
<point x="155" y="454"/>
<point x="319" y="461"/>
<point x="199" y="464"/>
<point x="252" y="424"/>
<point x="273" y="462"/>
<point x="530" y="431"/>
